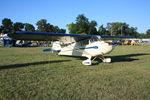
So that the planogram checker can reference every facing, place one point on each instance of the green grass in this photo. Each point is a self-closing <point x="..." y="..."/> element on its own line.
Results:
<point x="29" y="73"/>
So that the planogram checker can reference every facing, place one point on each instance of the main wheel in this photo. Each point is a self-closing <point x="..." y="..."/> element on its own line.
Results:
<point x="87" y="62"/>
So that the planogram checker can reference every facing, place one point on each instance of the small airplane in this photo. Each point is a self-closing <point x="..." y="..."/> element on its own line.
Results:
<point x="89" y="46"/>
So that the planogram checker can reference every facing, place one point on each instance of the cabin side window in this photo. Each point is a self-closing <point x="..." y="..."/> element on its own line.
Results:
<point x="94" y="39"/>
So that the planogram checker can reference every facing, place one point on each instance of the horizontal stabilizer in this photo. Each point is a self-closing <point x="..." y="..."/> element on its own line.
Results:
<point x="47" y="50"/>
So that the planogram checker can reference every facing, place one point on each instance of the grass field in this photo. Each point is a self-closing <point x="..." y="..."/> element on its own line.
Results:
<point x="29" y="73"/>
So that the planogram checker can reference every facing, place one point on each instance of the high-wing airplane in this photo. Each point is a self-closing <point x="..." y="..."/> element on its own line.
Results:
<point x="89" y="46"/>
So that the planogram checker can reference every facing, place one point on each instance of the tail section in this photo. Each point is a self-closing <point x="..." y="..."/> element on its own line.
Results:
<point x="56" y="48"/>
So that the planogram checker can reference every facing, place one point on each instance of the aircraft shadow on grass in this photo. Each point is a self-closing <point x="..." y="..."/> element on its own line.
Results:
<point x="32" y="63"/>
<point x="118" y="58"/>
<point x="126" y="58"/>
<point x="115" y="59"/>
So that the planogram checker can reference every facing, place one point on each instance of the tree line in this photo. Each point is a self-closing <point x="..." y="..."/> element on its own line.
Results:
<point x="42" y="26"/>
<point x="82" y="25"/>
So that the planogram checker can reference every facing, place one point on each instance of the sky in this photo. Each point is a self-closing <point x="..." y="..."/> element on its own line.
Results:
<point x="136" y="13"/>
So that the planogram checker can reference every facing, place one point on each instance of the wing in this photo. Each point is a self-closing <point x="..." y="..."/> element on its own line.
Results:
<point x="46" y="36"/>
<point x="112" y="37"/>
<point x="65" y="38"/>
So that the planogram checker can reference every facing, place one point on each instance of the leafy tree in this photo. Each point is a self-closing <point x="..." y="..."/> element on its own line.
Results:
<point x="62" y="31"/>
<point x="42" y="25"/>
<point x="7" y="25"/>
<point x="50" y="28"/>
<point x="82" y="26"/>
<point x="92" y="27"/>
<point x="56" y="29"/>
<point x="72" y="28"/>
<point x="132" y="31"/>
<point x="117" y="28"/>
<point x="102" y="30"/>
<point x="148" y="33"/>
<point x="1" y="29"/>
<point x="81" y="19"/>
<point x="29" y="27"/>
<point x="141" y="35"/>
<point x="18" y="26"/>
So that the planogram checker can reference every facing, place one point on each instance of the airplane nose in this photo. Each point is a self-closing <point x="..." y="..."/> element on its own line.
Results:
<point x="108" y="48"/>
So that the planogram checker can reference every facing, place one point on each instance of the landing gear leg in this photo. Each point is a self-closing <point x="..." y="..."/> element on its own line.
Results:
<point x="89" y="61"/>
